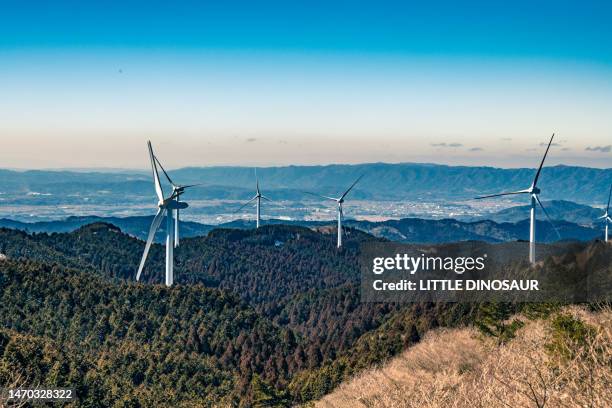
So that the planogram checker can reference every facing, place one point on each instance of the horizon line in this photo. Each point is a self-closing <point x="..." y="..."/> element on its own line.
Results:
<point x="97" y="169"/>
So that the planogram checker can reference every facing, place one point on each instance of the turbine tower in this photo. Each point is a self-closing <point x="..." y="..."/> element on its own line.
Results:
<point x="339" y="201"/>
<point x="606" y="217"/>
<point x="534" y="191"/>
<point x="257" y="198"/>
<point x="168" y="206"/>
<point x="177" y="191"/>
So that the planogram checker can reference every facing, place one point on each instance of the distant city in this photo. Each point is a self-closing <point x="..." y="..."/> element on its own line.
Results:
<point x="221" y="211"/>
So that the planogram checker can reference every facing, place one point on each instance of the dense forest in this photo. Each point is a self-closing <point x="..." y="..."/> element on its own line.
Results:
<point x="266" y="317"/>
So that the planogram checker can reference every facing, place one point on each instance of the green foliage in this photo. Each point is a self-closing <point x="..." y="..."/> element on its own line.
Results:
<point x="265" y="395"/>
<point x="299" y="309"/>
<point x="534" y="311"/>
<point x="493" y="318"/>
<point x="569" y="336"/>
<point x="130" y="339"/>
<point x="305" y="285"/>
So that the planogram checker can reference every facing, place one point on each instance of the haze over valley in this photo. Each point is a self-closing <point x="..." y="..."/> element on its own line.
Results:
<point x="387" y="191"/>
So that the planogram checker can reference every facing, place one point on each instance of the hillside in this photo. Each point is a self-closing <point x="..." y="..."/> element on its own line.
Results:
<point x="297" y="311"/>
<point x="272" y="314"/>
<point x="448" y="230"/>
<point x="403" y="230"/>
<point x="559" y="360"/>
<point x="271" y="269"/>
<point x="137" y="226"/>
<point x="557" y="209"/>
<point x="74" y="328"/>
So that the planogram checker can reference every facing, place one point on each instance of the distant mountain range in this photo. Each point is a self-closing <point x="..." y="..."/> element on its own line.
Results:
<point x="449" y="230"/>
<point x="381" y="182"/>
<point x="403" y="230"/>
<point x="557" y="209"/>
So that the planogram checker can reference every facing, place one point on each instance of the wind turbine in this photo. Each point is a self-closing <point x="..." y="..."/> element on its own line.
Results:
<point x="606" y="217"/>
<point x="177" y="190"/>
<point x="339" y="201"/>
<point x="258" y="196"/>
<point x="534" y="191"/>
<point x="165" y="205"/>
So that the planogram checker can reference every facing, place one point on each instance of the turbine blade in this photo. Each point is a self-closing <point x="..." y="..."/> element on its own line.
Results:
<point x="158" y="187"/>
<point x="181" y="190"/>
<point x="164" y="171"/>
<point x="502" y="194"/>
<point x="321" y="196"/>
<point x="351" y="187"/>
<point x="535" y="180"/>
<point x="152" y="230"/>
<point x="191" y="185"/>
<point x="244" y="205"/>
<point x="274" y="201"/>
<point x="609" y="195"/>
<point x="547" y="216"/>
<point x="609" y="219"/>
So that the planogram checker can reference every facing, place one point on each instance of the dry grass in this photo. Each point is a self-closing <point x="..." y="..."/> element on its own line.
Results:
<point x="16" y="380"/>
<point x="458" y="368"/>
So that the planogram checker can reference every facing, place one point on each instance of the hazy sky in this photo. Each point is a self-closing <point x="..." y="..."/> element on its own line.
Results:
<point x="266" y="83"/>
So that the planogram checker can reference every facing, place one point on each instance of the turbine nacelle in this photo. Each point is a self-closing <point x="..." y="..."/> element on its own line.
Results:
<point x="176" y="205"/>
<point x="177" y="191"/>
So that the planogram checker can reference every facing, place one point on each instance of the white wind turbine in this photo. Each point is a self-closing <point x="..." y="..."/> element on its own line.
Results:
<point x="606" y="217"/>
<point x="339" y="201"/>
<point x="166" y="205"/>
<point x="177" y="190"/>
<point x="533" y="190"/>
<point x="257" y="198"/>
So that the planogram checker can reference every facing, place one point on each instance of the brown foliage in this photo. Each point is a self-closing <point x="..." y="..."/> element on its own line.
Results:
<point x="459" y="368"/>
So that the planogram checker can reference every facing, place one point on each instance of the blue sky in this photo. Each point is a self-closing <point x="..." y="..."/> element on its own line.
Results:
<point x="304" y="82"/>
<point x="542" y="29"/>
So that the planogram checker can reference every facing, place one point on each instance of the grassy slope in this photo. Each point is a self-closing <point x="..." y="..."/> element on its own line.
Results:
<point x="561" y="360"/>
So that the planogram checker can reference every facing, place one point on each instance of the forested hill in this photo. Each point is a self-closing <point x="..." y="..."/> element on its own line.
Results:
<point x="133" y="345"/>
<point x="270" y="268"/>
<point x="266" y="317"/>
<point x="104" y="248"/>
<point x="403" y="230"/>
<point x="283" y="301"/>
<point x="449" y="230"/>
<point x="137" y="226"/>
